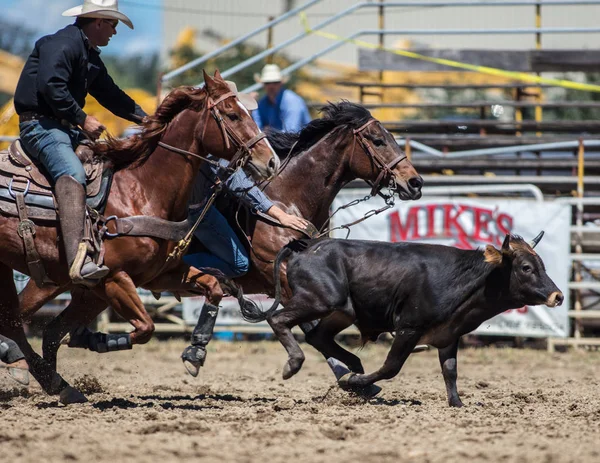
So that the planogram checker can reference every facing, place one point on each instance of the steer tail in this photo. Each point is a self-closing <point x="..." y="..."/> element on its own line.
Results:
<point x="258" y="315"/>
<point x="246" y="305"/>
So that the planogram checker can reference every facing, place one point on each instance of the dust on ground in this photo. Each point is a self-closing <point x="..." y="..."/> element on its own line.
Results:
<point x="521" y="405"/>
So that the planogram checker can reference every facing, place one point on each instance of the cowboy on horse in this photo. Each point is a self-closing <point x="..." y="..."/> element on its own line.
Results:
<point x="49" y="100"/>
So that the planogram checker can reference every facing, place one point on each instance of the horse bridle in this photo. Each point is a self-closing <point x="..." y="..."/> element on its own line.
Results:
<point x="385" y="169"/>
<point x="244" y="149"/>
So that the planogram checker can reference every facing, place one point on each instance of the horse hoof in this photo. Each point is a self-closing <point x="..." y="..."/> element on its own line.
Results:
<point x="289" y="371"/>
<point x="20" y="375"/>
<point x="367" y="392"/>
<point x="70" y="395"/>
<point x="344" y="381"/>
<point x="193" y="358"/>
<point x="193" y="368"/>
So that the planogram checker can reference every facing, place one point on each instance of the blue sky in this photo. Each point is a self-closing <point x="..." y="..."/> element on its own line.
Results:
<point x="44" y="16"/>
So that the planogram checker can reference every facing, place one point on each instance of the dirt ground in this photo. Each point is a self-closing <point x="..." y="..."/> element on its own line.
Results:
<point x="521" y="405"/>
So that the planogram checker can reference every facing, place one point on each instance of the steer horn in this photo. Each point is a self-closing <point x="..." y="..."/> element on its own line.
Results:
<point x="536" y="240"/>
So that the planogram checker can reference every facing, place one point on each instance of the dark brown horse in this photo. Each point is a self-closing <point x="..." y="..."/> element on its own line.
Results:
<point x="190" y="123"/>
<point x="330" y="152"/>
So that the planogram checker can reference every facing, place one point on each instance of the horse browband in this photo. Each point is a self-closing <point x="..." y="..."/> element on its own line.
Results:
<point x="228" y="132"/>
<point x="385" y="168"/>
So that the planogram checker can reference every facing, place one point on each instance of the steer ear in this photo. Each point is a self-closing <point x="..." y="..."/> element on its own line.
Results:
<point x="506" y="243"/>
<point x="492" y="255"/>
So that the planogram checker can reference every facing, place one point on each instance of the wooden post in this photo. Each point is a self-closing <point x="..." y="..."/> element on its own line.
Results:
<point x="538" y="46"/>
<point x="578" y="247"/>
<point x="408" y="149"/>
<point x="269" y="59"/>
<point x="518" y="111"/>
<point x="381" y="39"/>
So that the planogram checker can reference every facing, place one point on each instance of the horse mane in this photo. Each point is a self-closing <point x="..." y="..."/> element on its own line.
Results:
<point x="335" y="115"/>
<point x="135" y="150"/>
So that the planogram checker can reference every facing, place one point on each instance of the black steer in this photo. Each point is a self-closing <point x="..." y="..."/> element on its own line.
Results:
<point x="424" y="293"/>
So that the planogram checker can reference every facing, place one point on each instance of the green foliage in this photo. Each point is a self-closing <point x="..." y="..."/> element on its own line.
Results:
<point x="139" y="71"/>
<point x="576" y="114"/>
<point x="230" y="58"/>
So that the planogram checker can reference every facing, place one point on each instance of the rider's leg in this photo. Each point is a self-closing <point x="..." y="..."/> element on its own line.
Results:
<point x="225" y="251"/>
<point x="226" y="254"/>
<point x="52" y="144"/>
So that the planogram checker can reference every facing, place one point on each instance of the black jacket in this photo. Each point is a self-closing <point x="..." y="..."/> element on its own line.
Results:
<point x="58" y="75"/>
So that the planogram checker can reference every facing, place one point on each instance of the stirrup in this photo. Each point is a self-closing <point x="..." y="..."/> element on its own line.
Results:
<point x="89" y="279"/>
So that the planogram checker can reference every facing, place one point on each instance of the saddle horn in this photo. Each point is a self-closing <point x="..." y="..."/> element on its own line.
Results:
<point x="536" y="240"/>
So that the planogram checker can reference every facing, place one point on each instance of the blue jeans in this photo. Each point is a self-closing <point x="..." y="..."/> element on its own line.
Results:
<point x="226" y="253"/>
<point x="53" y="145"/>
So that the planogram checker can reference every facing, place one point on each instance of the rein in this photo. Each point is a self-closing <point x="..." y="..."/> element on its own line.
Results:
<point x="385" y="172"/>
<point x="244" y="149"/>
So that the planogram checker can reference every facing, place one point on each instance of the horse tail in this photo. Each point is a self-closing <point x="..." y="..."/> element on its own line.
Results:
<point x="256" y="316"/>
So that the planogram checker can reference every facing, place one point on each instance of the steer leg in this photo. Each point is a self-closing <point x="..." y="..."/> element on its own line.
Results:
<point x="403" y="344"/>
<point x="304" y="306"/>
<point x="448" y="363"/>
<point x="322" y="338"/>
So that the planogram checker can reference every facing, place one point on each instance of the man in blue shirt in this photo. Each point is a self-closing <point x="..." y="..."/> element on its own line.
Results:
<point x="280" y="108"/>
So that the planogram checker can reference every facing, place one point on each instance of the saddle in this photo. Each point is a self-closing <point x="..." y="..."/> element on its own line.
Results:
<point x="19" y="173"/>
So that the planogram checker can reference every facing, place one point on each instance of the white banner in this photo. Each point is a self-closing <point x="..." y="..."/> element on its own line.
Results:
<point x="229" y="310"/>
<point x="471" y="224"/>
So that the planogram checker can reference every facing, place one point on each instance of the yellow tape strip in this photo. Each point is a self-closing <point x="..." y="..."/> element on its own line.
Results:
<point x="456" y="64"/>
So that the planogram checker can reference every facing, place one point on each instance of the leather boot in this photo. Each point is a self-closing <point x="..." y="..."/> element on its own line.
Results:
<point x="70" y="196"/>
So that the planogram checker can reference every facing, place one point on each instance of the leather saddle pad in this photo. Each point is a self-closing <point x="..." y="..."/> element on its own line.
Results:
<point x="17" y="167"/>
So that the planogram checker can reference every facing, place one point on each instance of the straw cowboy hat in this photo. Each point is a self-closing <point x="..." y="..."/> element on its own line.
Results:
<point x="249" y="103"/>
<point x="270" y="73"/>
<point x="103" y="9"/>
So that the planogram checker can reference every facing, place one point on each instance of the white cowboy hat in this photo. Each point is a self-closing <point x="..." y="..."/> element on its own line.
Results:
<point x="270" y="73"/>
<point x="249" y="102"/>
<point x="104" y="9"/>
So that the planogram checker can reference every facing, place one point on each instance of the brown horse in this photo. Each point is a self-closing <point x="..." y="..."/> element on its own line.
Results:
<point x="164" y="161"/>
<point x="344" y="145"/>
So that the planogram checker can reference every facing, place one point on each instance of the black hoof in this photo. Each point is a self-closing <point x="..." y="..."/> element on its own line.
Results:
<point x="70" y="395"/>
<point x="193" y="358"/>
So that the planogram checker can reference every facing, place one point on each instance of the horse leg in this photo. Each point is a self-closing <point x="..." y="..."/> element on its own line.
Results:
<point x="122" y="296"/>
<point x="190" y="280"/>
<point x="11" y="326"/>
<point x="32" y="298"/>
<point x="403" y="344"/>
<point x="84" y="307"/>
<point x="447" y="357"/>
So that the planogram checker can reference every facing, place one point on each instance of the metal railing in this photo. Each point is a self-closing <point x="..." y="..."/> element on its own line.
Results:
<point x="381" y="32"/>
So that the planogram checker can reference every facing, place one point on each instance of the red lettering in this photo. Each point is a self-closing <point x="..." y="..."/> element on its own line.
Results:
<point x="451" y="222"/>
<point x="400" y="232"/>
<point x="482" y="218"/>
<point x="505" y="225"/>
<point x="431" y="220"/>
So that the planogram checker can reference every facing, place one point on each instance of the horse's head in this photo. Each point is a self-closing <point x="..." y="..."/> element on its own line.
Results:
<point x="382" y="162"/>
<point x="229" y="132"/>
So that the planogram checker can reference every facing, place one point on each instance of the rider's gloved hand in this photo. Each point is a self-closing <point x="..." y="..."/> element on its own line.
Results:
<point x="93" y="127"/>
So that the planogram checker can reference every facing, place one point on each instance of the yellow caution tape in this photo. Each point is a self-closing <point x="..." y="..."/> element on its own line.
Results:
<point x="455" y="64"/>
